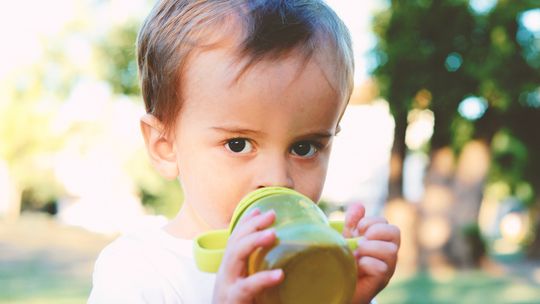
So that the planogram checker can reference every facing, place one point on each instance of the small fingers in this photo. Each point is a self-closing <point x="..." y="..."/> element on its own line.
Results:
<point x="383" y="232"/>
<point x="378" y="249"/>
<point x="355" y="212"/>
<point x="381" y="250"/>
<point x="372" y="267"/>
<point x="247" y="236"/>
<point x="236" y="257"/>
<point x="254" y="222"/>
<point x="249" y="243"/>
<point x="250" y="215"/>
<point x="246" y="290"/>
<point x="365" y="223"/>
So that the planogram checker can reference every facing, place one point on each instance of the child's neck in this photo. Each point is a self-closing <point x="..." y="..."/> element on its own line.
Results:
<point x="186" y="224"/>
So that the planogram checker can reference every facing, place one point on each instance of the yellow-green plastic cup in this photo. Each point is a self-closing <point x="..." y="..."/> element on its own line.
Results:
<point x="316" y="259"/>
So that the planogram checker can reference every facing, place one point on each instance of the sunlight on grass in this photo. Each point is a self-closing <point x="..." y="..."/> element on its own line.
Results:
<point x="37" y="280"/>
<point x="469" y="287"/>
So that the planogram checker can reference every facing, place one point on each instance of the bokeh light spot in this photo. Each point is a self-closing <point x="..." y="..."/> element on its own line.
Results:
<point x="482" y="7"/>
<point x="472" y="107"/>
<point x="531" y="20"/>
<point x="453" y="62"/>
<point x="531" y="99"/>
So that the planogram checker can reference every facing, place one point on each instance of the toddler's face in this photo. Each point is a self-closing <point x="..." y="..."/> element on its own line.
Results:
<point x="272" y="127"/>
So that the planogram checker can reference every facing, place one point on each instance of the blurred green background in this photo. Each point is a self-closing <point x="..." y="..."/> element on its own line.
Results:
<point x="461" y="80"/>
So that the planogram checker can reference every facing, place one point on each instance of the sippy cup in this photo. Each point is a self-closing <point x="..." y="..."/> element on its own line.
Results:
<point x="316" y="259"/>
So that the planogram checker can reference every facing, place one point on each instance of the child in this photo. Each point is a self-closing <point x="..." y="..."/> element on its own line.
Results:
<point x="240" y="94"/>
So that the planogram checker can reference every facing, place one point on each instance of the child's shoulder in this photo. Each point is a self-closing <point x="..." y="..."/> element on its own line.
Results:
<point x="124" y="272"/>
<point x="129" y="248"/>
<point x="148" y="263"/>
<point x="125" y="253"/>
<point x="146" y="245"/>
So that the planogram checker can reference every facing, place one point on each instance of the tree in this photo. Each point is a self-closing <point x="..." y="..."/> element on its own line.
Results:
<point x="42" y="112"/>
<point x="434" y="54"/>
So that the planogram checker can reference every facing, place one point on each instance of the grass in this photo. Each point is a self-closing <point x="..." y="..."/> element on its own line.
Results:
<point x="463" y="287"/>
<point x="34" y="279"/>
<point x="42" y="261"/>
<point x="31" y="282"/>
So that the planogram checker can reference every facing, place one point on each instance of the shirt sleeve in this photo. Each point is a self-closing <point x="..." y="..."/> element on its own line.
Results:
<point x="120" y="277"/>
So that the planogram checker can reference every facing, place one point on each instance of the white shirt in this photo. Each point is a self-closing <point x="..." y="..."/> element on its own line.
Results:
<point x="150" y="267"/>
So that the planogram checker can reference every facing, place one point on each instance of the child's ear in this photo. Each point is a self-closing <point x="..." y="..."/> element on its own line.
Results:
<point x="160" y="146"/>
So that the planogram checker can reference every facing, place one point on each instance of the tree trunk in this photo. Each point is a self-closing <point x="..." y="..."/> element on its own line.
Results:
<point x="398" y="211"/>
<point x="454" y="190"/>
<point x="533" y="250"/>
<point x="10" y="196"/>
<point x="448" y="232"/>
<point x="466" y="247"/>
<point x="435" y="226"/>
<point x="395" y="182"/>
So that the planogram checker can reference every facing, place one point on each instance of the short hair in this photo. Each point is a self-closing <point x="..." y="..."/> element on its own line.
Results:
<point x="270" y="28"/>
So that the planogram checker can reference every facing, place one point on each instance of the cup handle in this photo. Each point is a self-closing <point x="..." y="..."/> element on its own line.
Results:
<point x="338" y="225"/>
<point x="208" y="249"/>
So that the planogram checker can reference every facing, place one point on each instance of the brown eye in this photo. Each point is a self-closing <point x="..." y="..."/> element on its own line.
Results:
<point x="303" y="149"/>
<point x="239" y="145"/>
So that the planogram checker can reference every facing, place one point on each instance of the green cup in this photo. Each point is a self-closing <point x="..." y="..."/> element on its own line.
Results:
<point x="317" y="261"/>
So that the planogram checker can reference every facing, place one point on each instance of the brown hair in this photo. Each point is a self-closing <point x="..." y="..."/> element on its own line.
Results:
<point x="271" y="28"/>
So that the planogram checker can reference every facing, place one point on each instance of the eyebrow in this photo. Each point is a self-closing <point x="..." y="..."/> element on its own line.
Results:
<point x="318" y="135"/>
<point x="237" y="130"/>
<point x="242" y="131"/>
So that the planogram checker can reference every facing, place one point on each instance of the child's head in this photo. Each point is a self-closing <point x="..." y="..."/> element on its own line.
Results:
<point x="242" y="94"/>
<point x="265" y="30"/>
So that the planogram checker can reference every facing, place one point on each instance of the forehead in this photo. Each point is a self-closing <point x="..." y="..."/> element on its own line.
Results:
<point x="222" y="65"/>
<point x="231" y="34"/>
<point x="269" y="87"/>
<point x="222" y="51"/>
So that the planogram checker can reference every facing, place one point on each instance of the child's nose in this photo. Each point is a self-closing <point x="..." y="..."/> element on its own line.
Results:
<point x="275" y="172"/>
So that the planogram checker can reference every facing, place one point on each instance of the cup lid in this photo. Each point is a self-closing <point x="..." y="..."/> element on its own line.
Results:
<point x="256" y="195"/>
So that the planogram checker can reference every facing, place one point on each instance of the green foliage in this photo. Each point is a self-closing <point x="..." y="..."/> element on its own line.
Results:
<point x="511" y="157"/>
<point x="445" y="48"/>
<point x="463" y="131"/>
<point x="30" y="142"/>
<point x="157" y="195"/>
<point x="116" y="55"/>
<point x="417" y="38"/>
<point x="86" y="48"/>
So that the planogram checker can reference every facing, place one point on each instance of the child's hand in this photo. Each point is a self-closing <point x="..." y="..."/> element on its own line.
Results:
<point x="376" y="255"/>
<point x="233" y="285"/>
